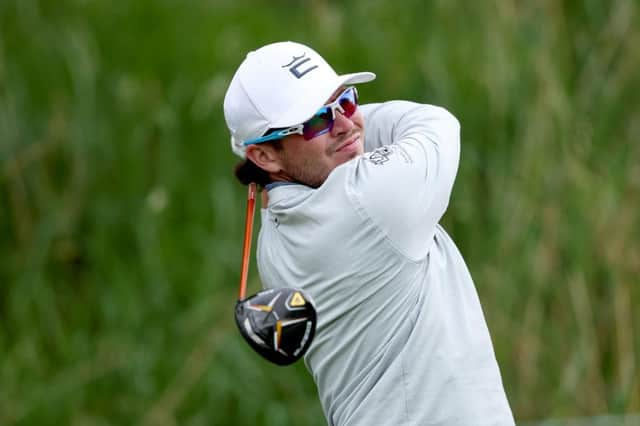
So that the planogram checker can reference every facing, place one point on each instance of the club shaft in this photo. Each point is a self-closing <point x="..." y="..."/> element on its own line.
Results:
<point x="248" y="233"/>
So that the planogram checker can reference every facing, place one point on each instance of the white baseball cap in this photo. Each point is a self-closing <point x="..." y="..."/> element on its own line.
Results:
<point x="279" y="85"/>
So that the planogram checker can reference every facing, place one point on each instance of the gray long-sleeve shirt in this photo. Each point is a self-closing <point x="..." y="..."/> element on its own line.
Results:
<point x="401" y="337"/>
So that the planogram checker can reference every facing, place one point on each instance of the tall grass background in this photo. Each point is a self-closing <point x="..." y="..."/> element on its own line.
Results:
<point x="121" y="223"/>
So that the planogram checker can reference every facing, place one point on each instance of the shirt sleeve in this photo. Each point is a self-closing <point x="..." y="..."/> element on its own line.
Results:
<point x="404" y="180"/>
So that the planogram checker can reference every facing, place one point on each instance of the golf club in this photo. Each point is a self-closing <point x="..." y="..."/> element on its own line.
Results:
<point x="280" y="323"/>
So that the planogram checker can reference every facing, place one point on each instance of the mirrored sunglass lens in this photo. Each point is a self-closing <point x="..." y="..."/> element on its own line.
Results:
<point x="348" y="102"/>
<point x="323" y="120"/>
<point x="318" y="123"/>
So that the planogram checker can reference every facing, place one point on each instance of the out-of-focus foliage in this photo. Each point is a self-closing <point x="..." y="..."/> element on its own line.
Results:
<point x="121" y="223"/>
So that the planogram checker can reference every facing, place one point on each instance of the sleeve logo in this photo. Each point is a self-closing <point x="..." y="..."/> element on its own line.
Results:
<point x="380" y="155"/>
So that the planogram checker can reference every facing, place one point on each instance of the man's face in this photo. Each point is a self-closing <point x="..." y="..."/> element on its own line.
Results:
<point x="310" y="162"/>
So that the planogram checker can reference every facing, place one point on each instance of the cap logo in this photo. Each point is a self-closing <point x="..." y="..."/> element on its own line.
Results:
<point x="296" y="63"/>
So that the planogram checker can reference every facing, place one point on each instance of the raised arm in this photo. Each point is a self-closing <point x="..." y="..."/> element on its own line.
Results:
<point x="405" y="179"/>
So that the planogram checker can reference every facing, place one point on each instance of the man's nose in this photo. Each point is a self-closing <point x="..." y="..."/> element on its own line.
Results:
<point x="341" y="125"/>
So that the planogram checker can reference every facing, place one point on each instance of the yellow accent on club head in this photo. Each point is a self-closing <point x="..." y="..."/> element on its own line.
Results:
<point x="263" y="308"/>
<point x="297" y="300"/>
<point x="278" y="333"/>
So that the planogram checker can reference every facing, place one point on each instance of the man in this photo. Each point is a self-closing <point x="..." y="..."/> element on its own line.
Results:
<point x="355" y="194"/>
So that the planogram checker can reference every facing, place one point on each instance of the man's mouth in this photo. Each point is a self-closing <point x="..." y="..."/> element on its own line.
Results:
<point x="350" y="144"/>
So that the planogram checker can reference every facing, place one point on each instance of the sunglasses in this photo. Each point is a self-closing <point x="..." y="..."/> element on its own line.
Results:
<point x="320" y="123"/>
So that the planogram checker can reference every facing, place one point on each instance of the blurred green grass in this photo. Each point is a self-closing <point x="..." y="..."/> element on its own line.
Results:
<point x="121" y="223"/>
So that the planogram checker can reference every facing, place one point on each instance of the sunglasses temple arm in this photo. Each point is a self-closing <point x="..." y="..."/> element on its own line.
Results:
<point x="248" y="233"/>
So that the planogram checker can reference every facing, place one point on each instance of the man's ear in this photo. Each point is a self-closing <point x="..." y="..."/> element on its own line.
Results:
<point x="265" y="157"/>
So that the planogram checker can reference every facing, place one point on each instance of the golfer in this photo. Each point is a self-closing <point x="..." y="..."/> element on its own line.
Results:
<point x="352" y="199"/>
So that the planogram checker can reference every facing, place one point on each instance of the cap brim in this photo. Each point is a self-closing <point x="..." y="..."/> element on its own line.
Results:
<point x="358" y="77"/>
<point x="310" y="103"/>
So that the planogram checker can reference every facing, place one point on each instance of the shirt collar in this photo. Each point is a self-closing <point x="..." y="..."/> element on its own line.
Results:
<point x="276" y="184"/>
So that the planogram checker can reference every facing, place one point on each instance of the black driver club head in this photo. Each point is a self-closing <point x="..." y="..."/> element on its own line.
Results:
<point x="279" y="324"/>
